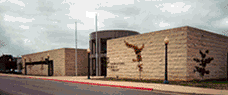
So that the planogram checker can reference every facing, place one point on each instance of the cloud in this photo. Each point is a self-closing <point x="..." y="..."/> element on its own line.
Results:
<point x="26" y="40"/>
<point x="105" y="3"/>
<point x="124" y="10"/>
<point x="2" y="1"/>
<point x="90" y="14"/>
<point x="47" y="7"/>
<point x="162" y="24"/>
<point x="153" y="0"/>
<point x="24" y="27"/>
<point x="20" y="3"/>
<point x="223" y="23"/>
<point x="52" y="24"/>
<point x="126" y="17"/>
<point x="174" y="8"/>
<point x="19" y="19"/>
<point x="71" y="26"/>
<point x="115" y="23"/>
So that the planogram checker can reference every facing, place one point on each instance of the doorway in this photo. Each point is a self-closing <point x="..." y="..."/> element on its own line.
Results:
<point x="103" y="67"/>
<point x="50" y="68"/>
<point x="94" y="67"/>
<point x="49" y="63"/>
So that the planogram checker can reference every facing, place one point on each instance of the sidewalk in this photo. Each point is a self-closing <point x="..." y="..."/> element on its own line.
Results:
<point x="130" y="85"/>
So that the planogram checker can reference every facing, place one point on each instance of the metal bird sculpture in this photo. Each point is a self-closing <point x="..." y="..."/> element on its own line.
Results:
<point x="137" y="51"/>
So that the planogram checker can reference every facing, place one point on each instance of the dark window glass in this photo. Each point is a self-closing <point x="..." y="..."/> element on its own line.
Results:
<point x="103" y="46"/>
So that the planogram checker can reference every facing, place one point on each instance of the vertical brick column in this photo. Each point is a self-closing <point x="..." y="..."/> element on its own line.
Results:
<point x="99" y="61"/>
<point x="91" y="48"/>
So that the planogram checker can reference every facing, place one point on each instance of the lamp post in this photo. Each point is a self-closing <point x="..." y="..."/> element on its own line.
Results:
<point x="166" y="40"/>
<point x="47" y="61"/>
<point x="25" y="66"/>
<point x="88" y="51"/>
<point x="76" y="51"/>
<point x="47" y="58"/>
<point x="48" y="55"/>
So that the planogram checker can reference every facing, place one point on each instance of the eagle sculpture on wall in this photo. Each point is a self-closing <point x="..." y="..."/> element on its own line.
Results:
<point x="137" y="51"/>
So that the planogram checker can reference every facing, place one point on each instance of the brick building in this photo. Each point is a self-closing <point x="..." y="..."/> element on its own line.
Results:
<point x="63" y="62"/>
<point x="184" y="45"/>
<point x="102" y="37"/>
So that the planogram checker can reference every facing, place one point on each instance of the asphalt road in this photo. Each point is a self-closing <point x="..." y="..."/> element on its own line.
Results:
<point x="25" y="86"/>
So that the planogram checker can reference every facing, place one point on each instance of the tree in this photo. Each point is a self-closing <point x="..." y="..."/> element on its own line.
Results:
<point x="9" y="62"/>
<point x="203" y="64"/>
<point x="2" y="44"/>
<point x="225" y="33"/>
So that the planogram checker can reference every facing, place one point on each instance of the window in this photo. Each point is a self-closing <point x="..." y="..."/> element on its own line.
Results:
<point x="103" y="45"/>
<point x="93" y="47"/>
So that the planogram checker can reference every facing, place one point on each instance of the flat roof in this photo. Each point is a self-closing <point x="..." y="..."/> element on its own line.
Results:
<point x="116" y="31"/>
<point x="52" y="50"/>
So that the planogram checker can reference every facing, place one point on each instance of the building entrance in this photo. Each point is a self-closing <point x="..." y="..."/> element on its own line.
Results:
<point x="103" y="67"/>
<point x="94" y="67"/>
<point x="49" y="63"/>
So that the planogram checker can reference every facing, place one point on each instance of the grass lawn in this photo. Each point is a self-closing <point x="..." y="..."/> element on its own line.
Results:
<point x="220" y="84"/>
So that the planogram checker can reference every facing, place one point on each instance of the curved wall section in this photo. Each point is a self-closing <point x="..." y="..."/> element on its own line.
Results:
<point x="112" y="34"/>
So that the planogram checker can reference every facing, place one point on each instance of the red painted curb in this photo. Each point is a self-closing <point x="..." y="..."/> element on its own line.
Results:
<point x="129" y="87"/>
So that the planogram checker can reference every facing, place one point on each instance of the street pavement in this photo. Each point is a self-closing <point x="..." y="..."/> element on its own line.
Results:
<point x="132" y="86"/>
<point x="27" y="86"/>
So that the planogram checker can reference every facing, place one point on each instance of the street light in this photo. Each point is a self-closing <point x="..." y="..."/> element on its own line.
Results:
<point x="48" y="63"/>
<point x="88" y="51"/>
<point x="166" y="41"/>
<point x="47" y="58"/>
<point x="48" y="55"/>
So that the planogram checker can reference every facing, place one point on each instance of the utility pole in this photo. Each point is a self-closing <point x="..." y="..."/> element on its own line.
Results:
<point x="96" y="49"/>
<point x="76" y="58"/>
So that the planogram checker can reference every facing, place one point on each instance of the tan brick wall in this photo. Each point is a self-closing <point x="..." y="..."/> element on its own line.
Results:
<point x="70" y="62"/>
<point x="58" y="57"/>
<point x="82" y="62"/>
<point x="218" y="49"/>
<point x="153" y="55"/>
<point x="181" y="51"/>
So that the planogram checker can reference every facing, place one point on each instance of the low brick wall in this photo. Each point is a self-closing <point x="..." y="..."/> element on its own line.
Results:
<point x="63" y="62"/>
<point x="58" y="57"/>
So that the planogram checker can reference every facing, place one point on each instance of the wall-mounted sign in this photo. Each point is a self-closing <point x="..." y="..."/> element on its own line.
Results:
<point x="114" y="66"/>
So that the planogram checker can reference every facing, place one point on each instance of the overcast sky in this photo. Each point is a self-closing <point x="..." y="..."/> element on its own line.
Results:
<point x="29" y="26"/>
